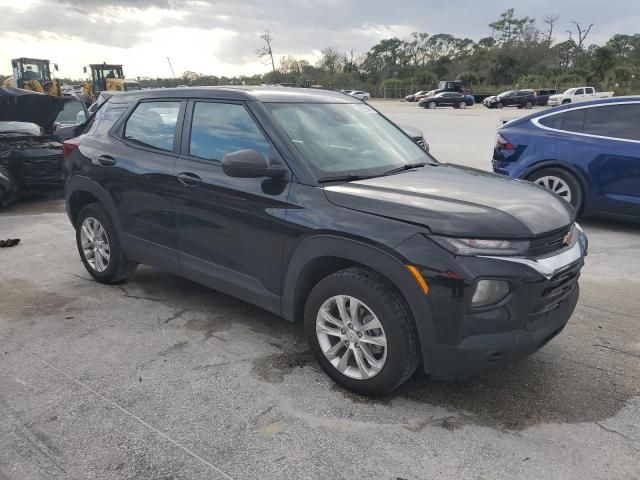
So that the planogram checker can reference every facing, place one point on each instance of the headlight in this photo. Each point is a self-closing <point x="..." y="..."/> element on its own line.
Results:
<point x="489" y="292"/>
<point x="475" y="246"/>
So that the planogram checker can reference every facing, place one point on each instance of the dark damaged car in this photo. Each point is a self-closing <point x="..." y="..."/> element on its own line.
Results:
<point x="32" y="129"/>
<point x="314" y="206"/>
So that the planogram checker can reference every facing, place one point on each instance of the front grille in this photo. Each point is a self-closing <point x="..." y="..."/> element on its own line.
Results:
<point x="558" y="290"/>
<point x="548" y="243"/>
<point x="420" y="142"/>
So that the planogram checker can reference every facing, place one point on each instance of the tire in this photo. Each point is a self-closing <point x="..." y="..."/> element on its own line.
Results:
<point x="528" y="105"/>
<point x="378" y="299"/>
<point x="462" y="105"/>
<point x="499" y="105"/>
<point x="431" y="105"/>
<point x="117" y="267"/>
<point x="364" y="99"/>
<point x="558" y="181"/>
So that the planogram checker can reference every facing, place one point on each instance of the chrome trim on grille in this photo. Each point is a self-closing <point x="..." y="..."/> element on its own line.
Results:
<point x="549" y="266"/>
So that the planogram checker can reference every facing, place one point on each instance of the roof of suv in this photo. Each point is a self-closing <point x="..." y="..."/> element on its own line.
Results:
<point x="250" y="93"/>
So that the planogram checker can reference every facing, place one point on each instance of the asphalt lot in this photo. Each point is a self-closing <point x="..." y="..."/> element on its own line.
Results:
<point x="160" y="378"/>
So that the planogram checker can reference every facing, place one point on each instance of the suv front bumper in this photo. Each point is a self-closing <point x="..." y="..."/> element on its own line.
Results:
<point x="469" y="341"/>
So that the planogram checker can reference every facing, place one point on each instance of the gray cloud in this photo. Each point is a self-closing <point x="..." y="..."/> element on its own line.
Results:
<point x="299" y="27"/>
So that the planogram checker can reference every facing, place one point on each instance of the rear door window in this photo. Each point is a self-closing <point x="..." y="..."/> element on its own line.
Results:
<point x="221" y="128"/>
<point x="153" y="124"/>
<point x="616" y="121"/>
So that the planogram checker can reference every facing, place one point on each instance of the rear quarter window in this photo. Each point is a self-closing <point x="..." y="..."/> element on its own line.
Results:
<point x="552" y="121"/>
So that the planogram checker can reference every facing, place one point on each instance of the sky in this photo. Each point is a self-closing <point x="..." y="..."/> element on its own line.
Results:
<point x="220" y="37"/>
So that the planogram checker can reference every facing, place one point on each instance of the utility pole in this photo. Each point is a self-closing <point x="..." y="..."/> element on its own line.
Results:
<point x="172" y="72"/>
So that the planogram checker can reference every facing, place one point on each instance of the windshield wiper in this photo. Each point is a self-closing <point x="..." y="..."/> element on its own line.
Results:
<point x="408" y="166"/>
<point x="344" y="178"/>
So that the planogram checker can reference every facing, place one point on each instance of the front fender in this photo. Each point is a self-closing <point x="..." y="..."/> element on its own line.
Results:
<point x="386" y="263"/>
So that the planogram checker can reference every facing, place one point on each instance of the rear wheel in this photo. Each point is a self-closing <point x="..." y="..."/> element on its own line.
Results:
<point x="99" y="247"/>
<point x="462" y="105"/>
<point x="562" y="183"/>
<point x="364" y="99"/>
<point x="361" y="331"/>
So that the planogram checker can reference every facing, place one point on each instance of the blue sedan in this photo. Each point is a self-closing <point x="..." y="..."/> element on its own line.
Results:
<point x="587" y="153"/>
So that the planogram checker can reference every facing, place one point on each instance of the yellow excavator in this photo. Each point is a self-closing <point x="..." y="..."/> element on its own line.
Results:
<point x="35" y="75"/>
<point x="107" y="77"/>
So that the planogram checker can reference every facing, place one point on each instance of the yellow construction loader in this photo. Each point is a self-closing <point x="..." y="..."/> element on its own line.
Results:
<point x="107" y="77"/>
<point x="35" y="75"/>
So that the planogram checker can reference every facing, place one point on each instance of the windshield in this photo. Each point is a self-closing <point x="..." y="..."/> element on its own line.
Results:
<point x="569" y="91"/>
<point x="338" y="140"/>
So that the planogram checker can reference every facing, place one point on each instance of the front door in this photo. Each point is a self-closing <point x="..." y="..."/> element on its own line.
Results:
<point x="231" y="230"/>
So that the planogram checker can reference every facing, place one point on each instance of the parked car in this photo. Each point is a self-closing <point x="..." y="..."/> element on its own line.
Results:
<point x="360" y="95"/>
<point x="32" y="127"/>
<point x="578" y="94"/>
<point x="588" y="154"/>
<point x="416" y="96"/>
<point x="513" y="98"/>
<point x="316" y="207"/>
<point x="447" y="99"/>
<point x="542" y="96"/>
<point x="447" y="86"/>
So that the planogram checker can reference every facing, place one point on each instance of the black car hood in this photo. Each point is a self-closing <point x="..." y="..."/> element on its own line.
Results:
<point x="457" y="201"/>
<point x="21" y="105"/>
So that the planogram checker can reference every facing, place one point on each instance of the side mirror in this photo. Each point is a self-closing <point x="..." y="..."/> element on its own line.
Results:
<point x="250" y="164"/>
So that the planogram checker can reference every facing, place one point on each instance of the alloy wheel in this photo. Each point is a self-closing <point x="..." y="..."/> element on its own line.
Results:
<point x="95" y="244"/>
<point x="556" y="185"/>
<point x="351" y="337"/>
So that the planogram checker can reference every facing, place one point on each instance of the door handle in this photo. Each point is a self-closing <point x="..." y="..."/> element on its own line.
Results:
<point x="189" y="179"/>
<point x="106" y="160"/>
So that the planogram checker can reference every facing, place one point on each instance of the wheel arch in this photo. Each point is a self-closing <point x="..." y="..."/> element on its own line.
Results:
<point x="318" y="256"/>
<point x="571" y="169"/>
<point x="81" y="191"/>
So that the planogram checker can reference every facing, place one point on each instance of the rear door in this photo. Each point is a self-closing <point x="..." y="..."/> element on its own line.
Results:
<point x="135" y="162"/>
<point x="614" y="132"/>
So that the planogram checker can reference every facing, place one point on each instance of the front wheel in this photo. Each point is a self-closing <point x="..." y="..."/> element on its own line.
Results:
<point x="361" y="331"/>
<point x="499" y="105"/>
<point x="99" y="246"/>
<point x="528" y="105"/>
<point x="432" y="105"/>
<point x="562" y="183"/>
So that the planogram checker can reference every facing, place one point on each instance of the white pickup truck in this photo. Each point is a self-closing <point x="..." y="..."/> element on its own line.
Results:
<point x="577" y="94"/>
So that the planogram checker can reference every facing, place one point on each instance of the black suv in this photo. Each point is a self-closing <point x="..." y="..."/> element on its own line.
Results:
<point x="314" y="206"/>
<point x="516" y="98"/>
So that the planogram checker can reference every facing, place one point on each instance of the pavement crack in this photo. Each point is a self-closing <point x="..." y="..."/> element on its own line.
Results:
<point x="177" y="314"/>
<point x="617" y="350"/>
<point x="604" y="310"/>
<point x="138" y="297"/>
<point x="611" y="430"/>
